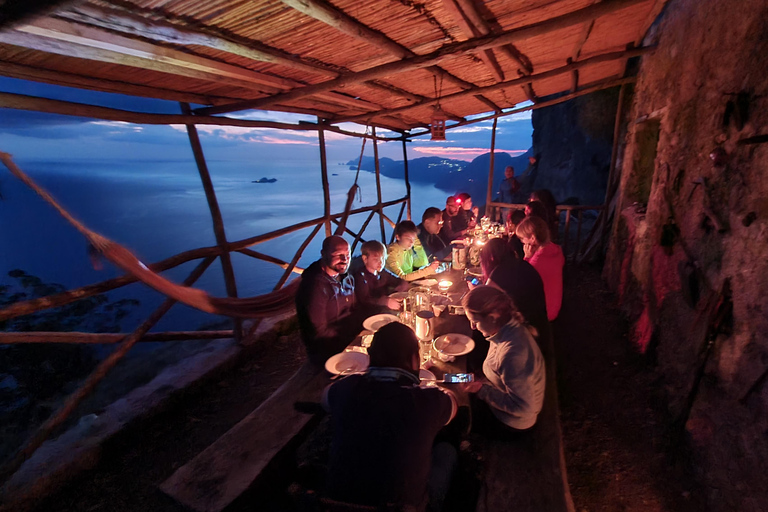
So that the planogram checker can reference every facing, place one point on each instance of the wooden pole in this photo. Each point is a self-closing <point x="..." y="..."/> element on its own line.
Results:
<point x="566" y="233"/>
<point x="407" y="178"/>
<point x="94" y="378"/>
<point x="12" y="338"/>
<point x="296" y="258"/>
<point x="213" y="205"/>
<point x="324" y="175"/>
<point x="578" y="237"/>
<point x="362" y="230"/>
<point x="609" y="188"/>
<point x="378" y="187"/>
<point x="271" y="259"/>
<point x="488" y="195"/>
<point x="399" y="218"/>
<point x="447" y="52"/>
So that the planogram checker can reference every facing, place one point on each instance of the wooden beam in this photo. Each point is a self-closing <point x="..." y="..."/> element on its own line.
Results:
<point x="271" y="259"/>
<point x="126" y="22"/>
<point x="378" y="188"/>
<point x="471" y="30"/>
<point x="489" y="195"/>
<point x="98" y="44"/>
<point x="653" y="13"/>
<point x="447" y="52"/>
<point x="21" y="102"/>
<point x="609" y="187"/>
<point x="407" y="179"/>
<point x="218" y="223"/>
<point x="586" y="30"/>
<point x="605" y="57"/>
<point x="296" y="257"/>
<point x="14" y="338"/>
<point x="598" y="86"/>
<point x="20" y="71"/>
<point x="324" y="179"/>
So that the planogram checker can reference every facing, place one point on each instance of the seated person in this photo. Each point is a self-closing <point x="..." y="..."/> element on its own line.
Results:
<point x="407" y="259"/>
<point x="373" y="284"/>
<point x="384" y="426"/>
<point x="451" y="220"/>
<point x="468" y="215"/>
<point x="514" y="372"/>
<point x="325" y="303"/>
<point x="546" y="257"/>
<point x="434" y="246"/>
<point x="514" y="217"/>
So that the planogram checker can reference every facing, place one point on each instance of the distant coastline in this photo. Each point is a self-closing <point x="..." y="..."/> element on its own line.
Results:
<point x="265" y="180"/>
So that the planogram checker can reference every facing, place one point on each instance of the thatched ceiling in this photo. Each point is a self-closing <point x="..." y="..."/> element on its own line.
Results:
<point x="373" y="61"/>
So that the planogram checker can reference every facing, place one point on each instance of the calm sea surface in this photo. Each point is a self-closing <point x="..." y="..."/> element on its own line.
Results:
<point x="158" y="209"/>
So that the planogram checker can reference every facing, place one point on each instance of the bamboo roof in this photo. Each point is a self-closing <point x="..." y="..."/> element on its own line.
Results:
<point x="379" y="62"/>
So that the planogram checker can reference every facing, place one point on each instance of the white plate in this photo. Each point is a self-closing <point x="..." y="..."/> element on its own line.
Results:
<point x="454" y="344"/>
<point x="376" y="322"/>
<point x="398" y="295"/>
<point x="347" y="362"/>
<point x="426" y="282"/>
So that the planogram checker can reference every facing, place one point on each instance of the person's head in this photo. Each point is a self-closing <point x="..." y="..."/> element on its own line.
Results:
<point x="489" y="309"/>
<point x="374" y="256"/>
<point x="406" y="234"/>
<point x="547" y="199"/>
<point x="493" y="253"/>
<point x="533" y="231"/>
<point x="395" y="345"/>
<point x="514" y="217"/>
<point x="536" y="209"/>
<point x="335" y="255"/>
<point x="509" y="172"/>
<point x="466" y="201"/>
<point x="432" y="220"/>
<point x="452" y="206"/>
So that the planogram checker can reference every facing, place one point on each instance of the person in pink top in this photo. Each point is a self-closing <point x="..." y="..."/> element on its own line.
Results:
<point x="546" y="257"/>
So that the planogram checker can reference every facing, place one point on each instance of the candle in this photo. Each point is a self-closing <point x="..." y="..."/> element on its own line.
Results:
<point x="444" y="285"/>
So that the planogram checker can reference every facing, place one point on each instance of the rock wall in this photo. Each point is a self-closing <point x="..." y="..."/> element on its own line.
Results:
<point x="688" y="254"/>
<point x="573" y="141"/>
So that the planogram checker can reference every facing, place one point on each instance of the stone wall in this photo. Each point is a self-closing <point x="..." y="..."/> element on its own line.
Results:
<point x="692" y="224"/>
<point x="573" y="141"/>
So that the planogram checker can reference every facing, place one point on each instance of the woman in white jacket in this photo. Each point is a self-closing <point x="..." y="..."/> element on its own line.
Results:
<point x="514" y="373"/>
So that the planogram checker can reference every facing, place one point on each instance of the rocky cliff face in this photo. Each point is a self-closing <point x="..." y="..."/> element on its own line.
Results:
<point x="689" y="250"/>
<point x="573" y="141"/>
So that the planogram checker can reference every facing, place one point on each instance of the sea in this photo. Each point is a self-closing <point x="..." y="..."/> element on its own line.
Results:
<point x="157" y="208"/>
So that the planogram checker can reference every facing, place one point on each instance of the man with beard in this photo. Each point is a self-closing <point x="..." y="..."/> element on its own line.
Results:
<point x="325" y="303"/>
<point x="434" y="246"/>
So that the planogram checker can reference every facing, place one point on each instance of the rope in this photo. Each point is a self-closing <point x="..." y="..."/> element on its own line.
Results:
<point x="259" y="306"/>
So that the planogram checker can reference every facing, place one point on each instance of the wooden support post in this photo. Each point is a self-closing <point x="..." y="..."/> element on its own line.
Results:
<point x="324" y="174"/>
<point x="378" y="187"/>
<point x="488" y="196"/>
<point x="213" y="205"/>
<point x="399" y="218"/>
<point x="362" y="230"/>
<point x="296" y="258"/>
<point x="94" y="378"/>
<point x="407" y="179"/>
<point x="609" y="188"/>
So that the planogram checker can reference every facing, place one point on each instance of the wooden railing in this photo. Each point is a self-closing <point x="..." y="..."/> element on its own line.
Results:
<point x="571" y="242"/>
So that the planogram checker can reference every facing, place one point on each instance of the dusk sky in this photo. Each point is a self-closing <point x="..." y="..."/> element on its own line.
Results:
<point x="39" y="136"/>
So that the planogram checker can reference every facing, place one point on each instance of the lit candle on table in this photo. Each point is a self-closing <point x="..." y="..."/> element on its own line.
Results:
<point x="444" y="285"/>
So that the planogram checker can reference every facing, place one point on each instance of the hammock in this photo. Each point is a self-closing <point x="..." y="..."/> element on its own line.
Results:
<point x="269" y="304"/>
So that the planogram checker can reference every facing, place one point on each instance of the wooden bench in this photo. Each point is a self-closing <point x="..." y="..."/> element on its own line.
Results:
<point x="528" y="474"/>
<point x="228" y="467"/>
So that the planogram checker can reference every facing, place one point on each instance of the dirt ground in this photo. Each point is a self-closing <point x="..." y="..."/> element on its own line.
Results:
<point x="616" y="431"/>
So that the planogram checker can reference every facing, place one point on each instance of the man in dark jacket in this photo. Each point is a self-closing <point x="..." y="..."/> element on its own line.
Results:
<point x="384" y="426"/>
<point x="325" y="303"/>
<point x="434" y="246"/>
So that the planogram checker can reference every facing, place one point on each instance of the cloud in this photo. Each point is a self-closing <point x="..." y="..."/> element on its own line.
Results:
<point x="459" y="153"/>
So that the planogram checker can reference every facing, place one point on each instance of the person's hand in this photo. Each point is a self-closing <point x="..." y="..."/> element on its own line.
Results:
<point x="471" y="387"/>
<point x="433" y="266"/>
<point x="393" y="304"/>
<point x="476" y="211"/>
<point x="529" y="249"/>
<point x="470" y="285"/>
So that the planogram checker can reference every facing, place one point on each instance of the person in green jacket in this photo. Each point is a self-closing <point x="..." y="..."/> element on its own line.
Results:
<point x="406" y="257"/>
